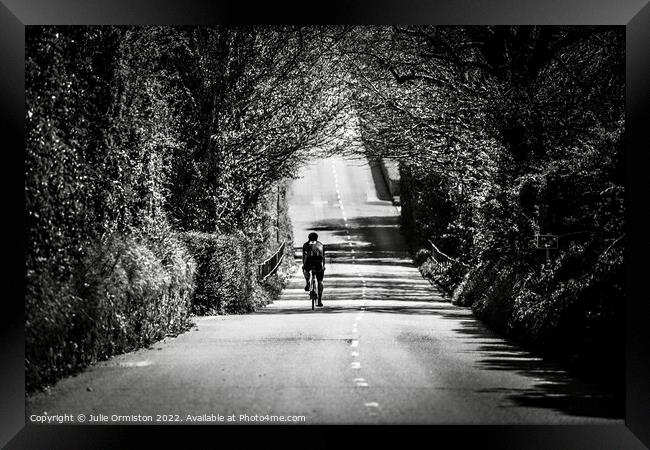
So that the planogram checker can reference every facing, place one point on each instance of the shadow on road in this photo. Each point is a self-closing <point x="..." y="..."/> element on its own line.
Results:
<point x="554" y="387"/>
<point x="332" y="307"/>
<point x="364" y="242"/>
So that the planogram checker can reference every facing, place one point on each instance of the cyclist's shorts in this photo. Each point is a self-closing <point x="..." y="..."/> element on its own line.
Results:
<point x="313" y="264"/>
<point x="319" y="275"/>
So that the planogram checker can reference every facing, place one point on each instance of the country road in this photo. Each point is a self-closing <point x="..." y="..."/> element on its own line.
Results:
<point x="386" y="348"/>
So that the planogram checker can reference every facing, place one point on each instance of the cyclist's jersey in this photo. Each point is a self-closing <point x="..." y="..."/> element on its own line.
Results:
<point x="313" y="255"/>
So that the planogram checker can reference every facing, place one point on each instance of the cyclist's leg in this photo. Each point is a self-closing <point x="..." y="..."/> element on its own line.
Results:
<point x="305" y="273"/>
<point x="319" y="277"/>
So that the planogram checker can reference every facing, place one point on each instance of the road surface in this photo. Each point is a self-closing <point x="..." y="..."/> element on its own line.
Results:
<point x="386" y="348"/>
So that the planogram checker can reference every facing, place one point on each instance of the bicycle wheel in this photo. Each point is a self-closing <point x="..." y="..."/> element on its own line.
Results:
<point x="312" y="291"/>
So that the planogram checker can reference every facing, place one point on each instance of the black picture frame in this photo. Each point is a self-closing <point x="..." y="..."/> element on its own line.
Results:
<point x="633" y="14"/>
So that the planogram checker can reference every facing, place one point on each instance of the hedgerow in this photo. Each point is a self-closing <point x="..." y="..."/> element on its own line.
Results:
<point x="127" y="292"/>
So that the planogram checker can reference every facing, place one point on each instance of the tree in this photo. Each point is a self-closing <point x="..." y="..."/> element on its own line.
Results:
<point x="502" y="133"/>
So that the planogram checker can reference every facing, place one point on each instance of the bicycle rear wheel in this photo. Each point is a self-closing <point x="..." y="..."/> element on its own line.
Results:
<point x="312" y="290"/>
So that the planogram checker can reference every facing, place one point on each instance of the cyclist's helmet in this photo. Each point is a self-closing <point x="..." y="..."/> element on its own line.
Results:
<point x="313" y="237"/>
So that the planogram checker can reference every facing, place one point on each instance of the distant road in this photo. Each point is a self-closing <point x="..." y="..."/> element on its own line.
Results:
<point x="386" y="347"/>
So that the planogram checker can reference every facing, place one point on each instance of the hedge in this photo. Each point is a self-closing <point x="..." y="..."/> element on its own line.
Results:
<point x="226" y="280"/>
<point x="128" y="292"/>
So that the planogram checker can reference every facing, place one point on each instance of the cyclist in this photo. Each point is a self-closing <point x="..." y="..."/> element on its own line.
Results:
<point x="313" y="257"/>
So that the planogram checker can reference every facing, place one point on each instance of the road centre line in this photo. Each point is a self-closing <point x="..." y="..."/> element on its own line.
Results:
<point x="361" y="382"/>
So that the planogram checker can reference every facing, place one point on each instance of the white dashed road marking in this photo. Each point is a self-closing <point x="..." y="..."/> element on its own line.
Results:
<point x="372" y="407"/>
<point x="360" y="382"/>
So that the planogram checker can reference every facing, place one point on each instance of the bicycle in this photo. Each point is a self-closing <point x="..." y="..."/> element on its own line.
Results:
<point x="313" y="288"/>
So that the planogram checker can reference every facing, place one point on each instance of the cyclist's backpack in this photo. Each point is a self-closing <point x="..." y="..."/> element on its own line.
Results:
<point x="314" y="255"/>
